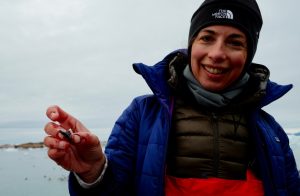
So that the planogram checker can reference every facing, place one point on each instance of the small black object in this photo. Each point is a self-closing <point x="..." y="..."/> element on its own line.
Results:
<point x="67" y="134"/>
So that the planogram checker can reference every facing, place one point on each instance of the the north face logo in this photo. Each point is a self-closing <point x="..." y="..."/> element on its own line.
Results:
<point x="223" y="14"/>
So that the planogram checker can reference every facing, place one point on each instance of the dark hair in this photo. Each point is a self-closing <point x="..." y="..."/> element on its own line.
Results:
<point x="190" y="43"/>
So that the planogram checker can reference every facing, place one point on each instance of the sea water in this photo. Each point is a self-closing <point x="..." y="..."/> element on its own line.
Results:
<point x="30" y="172"/>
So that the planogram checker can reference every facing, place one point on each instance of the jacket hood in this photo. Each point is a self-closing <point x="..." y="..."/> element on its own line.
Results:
<point x="156" y="77"/>
<point x="267" y="91"/>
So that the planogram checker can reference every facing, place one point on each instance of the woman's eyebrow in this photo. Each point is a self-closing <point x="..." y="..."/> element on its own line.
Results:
<point x="208" y="31"/>
<point x="236" y="35"/>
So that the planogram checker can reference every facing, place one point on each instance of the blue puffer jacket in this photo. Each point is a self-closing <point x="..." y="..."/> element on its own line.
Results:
<point x="136" y="149"/>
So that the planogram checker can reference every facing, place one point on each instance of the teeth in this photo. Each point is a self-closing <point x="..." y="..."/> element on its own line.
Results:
<point x="213" y="70"/>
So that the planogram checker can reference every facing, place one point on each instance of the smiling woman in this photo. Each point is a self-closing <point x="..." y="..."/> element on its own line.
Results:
<point x="77" y="54"/>
<point x="203" y="126"/>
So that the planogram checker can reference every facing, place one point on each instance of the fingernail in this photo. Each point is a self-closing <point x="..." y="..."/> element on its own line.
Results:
<point x="53" y="114"/>
<point x="60" y="136"/>
<point x="76" y="138"/>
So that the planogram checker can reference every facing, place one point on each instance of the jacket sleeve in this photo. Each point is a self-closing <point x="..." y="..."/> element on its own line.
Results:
<point x="290" y="168"/>
<point x="121" y="155"/>
<point x="292" y="173"/>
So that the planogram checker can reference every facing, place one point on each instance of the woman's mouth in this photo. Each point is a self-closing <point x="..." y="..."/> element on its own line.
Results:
<point x="213" y="70"/>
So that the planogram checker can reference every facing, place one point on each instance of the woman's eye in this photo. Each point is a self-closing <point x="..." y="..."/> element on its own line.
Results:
<point x="206" y="38"/>
<point x="236" y="43"/>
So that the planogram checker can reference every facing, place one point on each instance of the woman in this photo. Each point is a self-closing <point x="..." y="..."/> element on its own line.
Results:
<point x="202" y="132"/>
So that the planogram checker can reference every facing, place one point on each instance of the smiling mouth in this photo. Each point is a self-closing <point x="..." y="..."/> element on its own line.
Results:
<point x="214" y="70"/>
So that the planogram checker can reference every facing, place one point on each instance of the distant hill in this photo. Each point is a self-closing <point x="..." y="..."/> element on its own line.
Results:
<point x="297" y="134"/>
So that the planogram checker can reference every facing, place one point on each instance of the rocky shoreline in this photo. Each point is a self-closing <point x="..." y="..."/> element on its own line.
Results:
<point x="24" y="145"/>
<point x="31" y="145"/>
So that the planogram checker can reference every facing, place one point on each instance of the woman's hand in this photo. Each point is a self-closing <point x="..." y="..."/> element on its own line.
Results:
<point x="82" y="153"/>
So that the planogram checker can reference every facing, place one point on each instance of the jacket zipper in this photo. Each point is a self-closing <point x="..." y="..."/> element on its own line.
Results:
<point x="215" y="128"/>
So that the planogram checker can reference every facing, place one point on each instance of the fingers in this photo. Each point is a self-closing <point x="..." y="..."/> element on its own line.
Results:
<point x="65" y="120"/>
<point x="79" y="153"/>
<point x="56" y="154"/>
<point x="57" y="131"/>
<point x="55" y="143"/>
<point x="85" y="138"/>
<point x="52" y="128"/>
<point x="55" y="113"/>
<point x="59" y="156"/>
<point x="59" y="141"/>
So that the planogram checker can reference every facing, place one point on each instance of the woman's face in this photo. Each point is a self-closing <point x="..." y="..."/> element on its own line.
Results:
<point x="218" y="56"/>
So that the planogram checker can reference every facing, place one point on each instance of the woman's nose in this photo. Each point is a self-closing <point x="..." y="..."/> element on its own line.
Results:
<point x="217" y="52"/>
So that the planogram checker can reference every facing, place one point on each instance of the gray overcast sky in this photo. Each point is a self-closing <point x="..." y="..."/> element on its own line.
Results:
<point x="78" y="54"/>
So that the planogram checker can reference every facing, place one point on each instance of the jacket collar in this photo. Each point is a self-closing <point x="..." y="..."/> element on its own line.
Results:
<point x="156" y="78"/>
<point x="274" y="91"/>
<point x="271" y="91"/>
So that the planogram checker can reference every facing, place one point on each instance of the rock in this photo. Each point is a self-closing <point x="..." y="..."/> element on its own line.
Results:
<point x="30" y="145"/>
<point x="24" y="145"/>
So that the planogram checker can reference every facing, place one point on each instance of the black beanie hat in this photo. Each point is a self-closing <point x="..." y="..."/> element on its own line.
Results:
<point x="242" y="14"/>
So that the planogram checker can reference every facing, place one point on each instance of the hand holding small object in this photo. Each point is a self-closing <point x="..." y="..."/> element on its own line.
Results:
<point x="72" y="146"/>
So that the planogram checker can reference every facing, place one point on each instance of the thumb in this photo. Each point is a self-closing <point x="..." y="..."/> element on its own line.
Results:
<point x="67" y="121"/>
